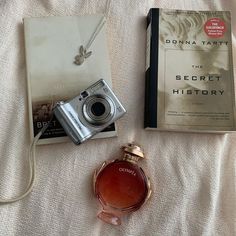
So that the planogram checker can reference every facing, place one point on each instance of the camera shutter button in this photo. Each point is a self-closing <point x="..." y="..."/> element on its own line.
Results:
<point x="119" y="109"/>
<point x="105" y="90"/>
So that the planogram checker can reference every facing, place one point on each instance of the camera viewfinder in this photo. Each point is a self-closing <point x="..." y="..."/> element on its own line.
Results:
<point x="84" y="94"/>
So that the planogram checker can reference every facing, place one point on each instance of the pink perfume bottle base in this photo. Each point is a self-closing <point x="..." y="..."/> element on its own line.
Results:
<point x="109" y="218"/>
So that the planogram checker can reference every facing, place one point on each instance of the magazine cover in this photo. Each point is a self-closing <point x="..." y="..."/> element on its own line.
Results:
<point x="189" y="71"/>
<point x="51" y="45"/>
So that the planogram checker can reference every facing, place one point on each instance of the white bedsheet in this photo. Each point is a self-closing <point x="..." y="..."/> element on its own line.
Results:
<point x="193" y="175"/>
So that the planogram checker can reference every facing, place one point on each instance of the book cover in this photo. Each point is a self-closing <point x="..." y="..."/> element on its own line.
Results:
<point x="189" y="71"/>
<point x="51" y="44"/>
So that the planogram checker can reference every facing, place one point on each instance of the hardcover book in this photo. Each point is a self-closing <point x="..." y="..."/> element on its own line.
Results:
<point x="189" y="71"/>
<point x="51" y="45"/>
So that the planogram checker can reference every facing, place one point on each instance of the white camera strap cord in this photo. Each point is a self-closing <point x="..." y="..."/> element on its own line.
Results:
<point x="32" y="169"/>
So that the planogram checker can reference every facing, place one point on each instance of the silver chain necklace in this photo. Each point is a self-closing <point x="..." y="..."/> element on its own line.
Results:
<point x="83" y="50"/>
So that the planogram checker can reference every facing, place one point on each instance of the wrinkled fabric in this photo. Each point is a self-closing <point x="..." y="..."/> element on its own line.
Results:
<point x="193" y="175"/>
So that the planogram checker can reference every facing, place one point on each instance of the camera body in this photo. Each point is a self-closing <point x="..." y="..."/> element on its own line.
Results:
<point x="90" y="112"/>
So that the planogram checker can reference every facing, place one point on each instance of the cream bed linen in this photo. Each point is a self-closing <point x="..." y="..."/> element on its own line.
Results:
<point x="193" y="175"/>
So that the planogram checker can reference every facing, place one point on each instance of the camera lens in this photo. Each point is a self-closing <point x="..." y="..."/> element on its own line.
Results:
<point x="98" y="109"/>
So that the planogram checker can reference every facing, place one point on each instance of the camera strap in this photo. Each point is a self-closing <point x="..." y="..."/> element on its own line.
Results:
<point x="32" y="169"/>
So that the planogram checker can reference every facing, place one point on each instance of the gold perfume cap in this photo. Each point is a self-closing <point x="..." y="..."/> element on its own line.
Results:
<point x="134" y="149"/>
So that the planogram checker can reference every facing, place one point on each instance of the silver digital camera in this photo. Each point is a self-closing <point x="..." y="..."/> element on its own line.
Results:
<point x="90" y="112"/>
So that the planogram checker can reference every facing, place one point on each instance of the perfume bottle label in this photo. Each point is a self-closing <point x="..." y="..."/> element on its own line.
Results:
<point x="132" y="172"/>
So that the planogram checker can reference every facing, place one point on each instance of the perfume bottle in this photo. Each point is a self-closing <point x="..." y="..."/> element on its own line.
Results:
<point x="121" y="186"/>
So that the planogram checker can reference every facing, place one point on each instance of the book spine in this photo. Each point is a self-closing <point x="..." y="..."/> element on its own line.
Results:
<point x="151" y="75"/>
<point x="232" y="59"/>
<point x="30" y="111"/>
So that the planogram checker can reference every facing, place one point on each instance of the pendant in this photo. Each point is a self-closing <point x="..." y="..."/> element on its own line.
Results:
<point x="83" y="54"/>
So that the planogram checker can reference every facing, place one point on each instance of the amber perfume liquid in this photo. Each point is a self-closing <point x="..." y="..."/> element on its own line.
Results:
<point x="121" y="186"/>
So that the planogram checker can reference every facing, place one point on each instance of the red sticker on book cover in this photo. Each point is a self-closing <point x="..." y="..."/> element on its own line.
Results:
<point x="215" y="28"/>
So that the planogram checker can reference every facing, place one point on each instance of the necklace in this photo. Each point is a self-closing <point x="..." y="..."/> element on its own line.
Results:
<point x="83" y="50"/>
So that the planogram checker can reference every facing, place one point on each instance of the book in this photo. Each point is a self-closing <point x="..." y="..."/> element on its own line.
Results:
<point x="51" y="44"/>
<point x="189" y="71"/>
